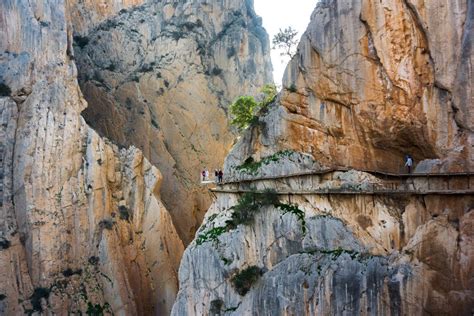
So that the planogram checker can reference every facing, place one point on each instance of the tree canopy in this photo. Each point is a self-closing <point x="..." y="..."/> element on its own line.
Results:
<point x="244" y="109"/>
<point x="286" y="41"/>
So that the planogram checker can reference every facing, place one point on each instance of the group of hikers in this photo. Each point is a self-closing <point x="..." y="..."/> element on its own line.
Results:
<point x="218" y="174"/>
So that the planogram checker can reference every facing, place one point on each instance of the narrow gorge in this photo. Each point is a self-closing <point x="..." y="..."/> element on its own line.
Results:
<point x="109" y="110"/>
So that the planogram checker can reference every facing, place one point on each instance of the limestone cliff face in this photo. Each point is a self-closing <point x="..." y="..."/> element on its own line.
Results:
<point x="82" y="226"/>
<point x="358" y="255"/>
<point x="372" y="81"/>
<point x="159" y="75"/>
<point x="375" y="80"/>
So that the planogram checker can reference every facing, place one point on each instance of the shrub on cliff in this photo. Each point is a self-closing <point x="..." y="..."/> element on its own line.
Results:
<point x="243" y="281"/>
<point x="243" y="112"/>
<point x="245" y="109"/>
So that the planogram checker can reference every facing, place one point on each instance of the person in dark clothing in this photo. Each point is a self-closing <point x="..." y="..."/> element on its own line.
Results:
<point x="220" y="176"/>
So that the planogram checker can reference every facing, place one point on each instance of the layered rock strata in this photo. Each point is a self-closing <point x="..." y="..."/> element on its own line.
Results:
<point x="83" y="229"/>
<point x="160" y="75"/>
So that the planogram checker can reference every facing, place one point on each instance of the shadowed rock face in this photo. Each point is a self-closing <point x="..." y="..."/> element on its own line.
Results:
<point x="372" y="81"/>
<point x="82" y="227"/>
<point x="159" y="75"/>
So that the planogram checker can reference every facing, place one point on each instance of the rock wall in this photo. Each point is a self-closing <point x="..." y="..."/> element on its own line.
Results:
<point x="82" y="226"/>
<point x="371" y="82"/>
<point x="159" y="75"/>
<point x="357" y="254"/>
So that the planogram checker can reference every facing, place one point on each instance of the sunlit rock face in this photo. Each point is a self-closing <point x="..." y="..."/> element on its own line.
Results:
<point x="160" y="75"/>
<point x="82" y="226"/>
<point x="371" y="82"/>
<point x="375" y="80"/>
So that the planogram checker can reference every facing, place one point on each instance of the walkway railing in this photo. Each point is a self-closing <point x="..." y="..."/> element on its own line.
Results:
<point x="446" y="183"/>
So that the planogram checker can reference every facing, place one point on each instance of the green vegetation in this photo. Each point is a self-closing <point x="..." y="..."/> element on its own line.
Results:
<point x="294" y="209"/>
<point x="286" y="41"/>
<point x="210" y="235"/>
<point x="70" y="272"/>
<point x="292" y="88"/>
<point x="94" y="260"/>
<point x="81" y="41"/>
<point x="243" y="112"/>
<point x="106" y="223"/>
<point x="4" y="244"/>
<point x="39" y="294"/>
<point x="244" y="212"/>
<point x="97" y="309"/>
<point x="249" y="204"/>
<point x="245" y="109"/>
<point x="124" y="213"/>
<point x="250" y="166"/>
<point x="243" y="281"/>
<point x="216" y="307"/>
<point x="5" y="90"/>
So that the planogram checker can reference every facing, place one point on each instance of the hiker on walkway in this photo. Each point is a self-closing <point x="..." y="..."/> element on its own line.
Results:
<point x="408" y="163"/>
<point x="203" y="174"/>
<point x="216" y="175"/>
<point x="220" y="176"/>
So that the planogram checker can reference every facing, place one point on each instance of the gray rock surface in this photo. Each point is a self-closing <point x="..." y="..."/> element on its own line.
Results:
<point x="160" y="75"/>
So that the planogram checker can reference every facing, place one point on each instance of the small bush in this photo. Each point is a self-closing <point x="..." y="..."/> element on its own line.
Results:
<point x="154" y="123"/>
<point x="97" y="309"/>
<point x="2" y="297"/>
<point x="81" y="41"/>
<point x="4" y="244"/>
<point x="292" y="88"/>
<point x="38" y="294"/>
<point x="216" y="71"/>
<point x="5" y="90"/>
<point x="210" y="235"/>
<point x="216" y="307"/>
<point x="250" y="203"/>
<point x="295" y="210"/>
<point x="94" y="260"/>
<point x="70" y="272"/>
<point x="124" y="213"/>
<point x="111" y="67"/>
<point x="243" y="281"/>
<point x="107" y="224"/>
<point x="231" y="51"/>
<point x="250" y="166"/>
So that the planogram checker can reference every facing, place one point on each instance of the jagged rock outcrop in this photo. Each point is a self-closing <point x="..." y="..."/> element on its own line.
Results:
<point x="159" y="75"/>
<point x="82" y="227"/>
<point x="371" y="82"/>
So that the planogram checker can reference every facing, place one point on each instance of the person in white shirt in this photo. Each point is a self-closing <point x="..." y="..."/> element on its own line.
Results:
<point x="408" y="163"/>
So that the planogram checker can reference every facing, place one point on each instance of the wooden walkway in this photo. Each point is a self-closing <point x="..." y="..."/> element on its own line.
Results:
<point x="354" y="192"/>
<point x="401" y="187"/>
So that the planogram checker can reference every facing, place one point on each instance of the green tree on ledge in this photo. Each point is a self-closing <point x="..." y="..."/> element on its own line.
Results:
<point x="244" y="109"/>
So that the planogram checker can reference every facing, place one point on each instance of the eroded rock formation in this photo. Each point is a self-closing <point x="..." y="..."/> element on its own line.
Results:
<point x="82" y="226"/>
<point x="371" y="82"/>
<point x="159" y="75"/>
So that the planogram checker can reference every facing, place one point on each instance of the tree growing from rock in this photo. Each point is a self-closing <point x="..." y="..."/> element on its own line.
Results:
<point x="286" y="41"/>
<point x="244" y="109"/>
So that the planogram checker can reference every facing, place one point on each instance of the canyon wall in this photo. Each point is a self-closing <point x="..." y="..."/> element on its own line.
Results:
<point x="160" y="75"/>
<point x="374" y="81"/>
<point x="82" y="226"/>
<point x="371" y="82"/>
